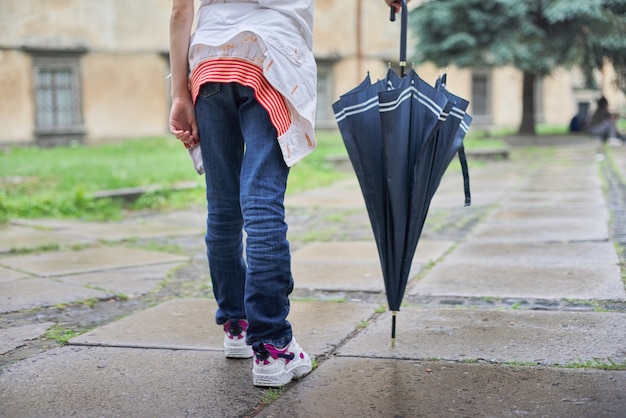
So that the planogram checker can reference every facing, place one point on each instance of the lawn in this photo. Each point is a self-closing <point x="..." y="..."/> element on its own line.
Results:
<point x="59" y="182"/>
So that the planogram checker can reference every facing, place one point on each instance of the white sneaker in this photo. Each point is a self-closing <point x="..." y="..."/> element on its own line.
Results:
<point x="276" y="367"/>
<point x="235" y="339"/>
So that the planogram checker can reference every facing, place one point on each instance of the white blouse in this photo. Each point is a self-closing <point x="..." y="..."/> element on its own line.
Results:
<point x="283" y="49"/>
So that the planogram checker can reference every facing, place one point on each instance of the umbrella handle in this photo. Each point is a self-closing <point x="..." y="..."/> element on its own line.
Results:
<point x="403" y="33"/>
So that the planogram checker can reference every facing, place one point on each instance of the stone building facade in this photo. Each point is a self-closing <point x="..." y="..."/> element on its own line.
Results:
<point x="96" y="70"/>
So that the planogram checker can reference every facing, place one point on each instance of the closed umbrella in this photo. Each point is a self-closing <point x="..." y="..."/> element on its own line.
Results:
<point x="401" y="134"/>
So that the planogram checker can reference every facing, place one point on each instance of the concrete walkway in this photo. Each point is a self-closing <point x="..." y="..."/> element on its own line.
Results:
<point x="503" y="320"/>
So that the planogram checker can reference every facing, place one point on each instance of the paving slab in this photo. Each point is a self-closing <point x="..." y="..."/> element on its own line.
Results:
<point x="340" y="277"/>
<point x="585" y="282"/>
<point x="120" y="382"/>
<point x="18" y="237"/>
<point x="338" y="266"/>
<point x="308" y="225"/>
<point x="185" y="223"/>
<point x="340" y="195"/>
<point x="487" y="187"/>
<point x="566" y="163"/>
<point x="15" y="337"/>
<point x="195" y="217"/>
<point x="37" y="292"/>
<point x="8" y="275"/>
<point x="123" y="231"/>
<point x="56" y="263"/>
<point x="549" y="181"/>
<point x="547" y="199"/>
<point x="188" y="324"/>
<point x="132" y="282"/>
<point x="542" y="229"/>
<point x="538" y="254"/>
<point x="445" y="201"/>
<point x="179" y="324"/>
<point x="540" y="337"/>
<point x="352" y="265"/>
<point x="451" y="193"/>
<point x="363" y="251"/>
<point x="583" y="214"/>
<point x="404" y="388"/>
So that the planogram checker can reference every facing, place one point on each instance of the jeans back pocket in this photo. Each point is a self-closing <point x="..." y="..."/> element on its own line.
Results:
<point x="209" y="89"/>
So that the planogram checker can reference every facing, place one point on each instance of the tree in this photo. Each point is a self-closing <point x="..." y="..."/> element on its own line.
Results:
<point x="534" y="36"/>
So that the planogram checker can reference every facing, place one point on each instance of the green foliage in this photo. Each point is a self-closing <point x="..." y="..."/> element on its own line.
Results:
<point x="534" y="36"/>
<point x="470" y="32"/>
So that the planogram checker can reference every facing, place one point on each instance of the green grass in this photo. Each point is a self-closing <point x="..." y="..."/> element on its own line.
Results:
<point x="60" y="334"/>
<point x="58" y="182"/>
<point x="552" y="129"/>
<point x="476" y="143"/>
<point x="272" y="394"/>
<point x="315" y="170"/>
<point x="596" y="364"/>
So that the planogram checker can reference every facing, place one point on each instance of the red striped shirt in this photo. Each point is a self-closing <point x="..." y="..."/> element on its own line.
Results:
<point x="235" y="70"/>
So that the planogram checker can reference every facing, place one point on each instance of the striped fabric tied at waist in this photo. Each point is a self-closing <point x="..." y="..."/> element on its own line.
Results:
<point x="235" y="70"/>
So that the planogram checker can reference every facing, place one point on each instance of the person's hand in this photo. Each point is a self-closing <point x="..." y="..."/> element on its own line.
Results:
<point x="395" y="3"/>
<point x="183" y="123"/>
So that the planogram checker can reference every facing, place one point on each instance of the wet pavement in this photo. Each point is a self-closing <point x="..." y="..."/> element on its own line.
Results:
<point x="516" y="305"/>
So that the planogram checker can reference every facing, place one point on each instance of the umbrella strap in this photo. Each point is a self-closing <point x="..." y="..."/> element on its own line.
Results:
<point x="465" y="170"/>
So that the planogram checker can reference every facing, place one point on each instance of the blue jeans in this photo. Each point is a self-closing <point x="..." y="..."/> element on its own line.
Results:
<point x="246" y="179"/>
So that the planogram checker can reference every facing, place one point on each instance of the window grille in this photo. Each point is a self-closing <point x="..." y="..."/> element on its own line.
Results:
<point x="57" y="96"/>
<point x="57" y="99"/>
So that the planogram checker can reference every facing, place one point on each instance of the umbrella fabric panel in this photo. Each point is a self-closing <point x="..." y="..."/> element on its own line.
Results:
<point x="409" y="118"/>
<point x="357" y="114"/>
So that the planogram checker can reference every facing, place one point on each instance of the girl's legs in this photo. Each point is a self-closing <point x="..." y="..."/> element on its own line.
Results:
<point x="246" y="179"/>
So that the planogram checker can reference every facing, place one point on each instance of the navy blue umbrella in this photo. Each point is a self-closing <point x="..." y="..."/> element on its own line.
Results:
<point x="401" y="134"/>
<point x="410" y="116"/>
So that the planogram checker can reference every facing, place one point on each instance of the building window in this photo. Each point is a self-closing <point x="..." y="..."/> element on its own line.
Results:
<point x="324" y="117"/>
<point x="57" y="99"/>
<point x="57" y="91"/>
<point x="481" y="96"/>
